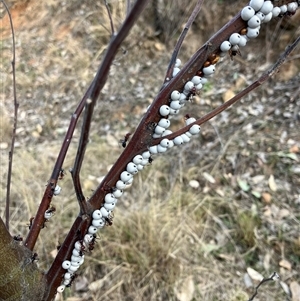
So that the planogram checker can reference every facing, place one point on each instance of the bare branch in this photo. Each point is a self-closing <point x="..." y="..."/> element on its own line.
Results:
<point x="16" y="107"/>
<point x="110" y="18"/>
<point x="274" y="277"/>
<point x="183" y="34"/>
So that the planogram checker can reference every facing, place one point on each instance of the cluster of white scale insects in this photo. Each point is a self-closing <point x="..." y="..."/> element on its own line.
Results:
<point x="255" y="14"/>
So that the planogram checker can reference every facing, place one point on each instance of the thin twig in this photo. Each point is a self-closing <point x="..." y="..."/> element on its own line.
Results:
<point x="265" y="76"/>
<point x="15" y="123"/>
<point x="182" y="36"/>
<point x="274" y="277"/>
<point x="79" y="228"/>
<point x="110" y="18"/>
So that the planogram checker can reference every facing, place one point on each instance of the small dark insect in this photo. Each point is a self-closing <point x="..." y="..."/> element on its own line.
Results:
<point x="125" y="140"/>
<point x="34" y="257"/>
<point x="234" y="52"/>
<point x="92" y="243"/>
<point x="18" y="237"/>
<point x="61" y="174"/>
<point x="72" y="279"/>
<point x="108" y="220"/>
<point x="150" y="160"/>
<point x="30" y="222"/>
<point x="191" y="94"/>
<point x="52" y="209"/>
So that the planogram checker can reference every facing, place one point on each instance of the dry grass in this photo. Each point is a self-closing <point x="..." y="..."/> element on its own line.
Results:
<point x="169" y="240"/>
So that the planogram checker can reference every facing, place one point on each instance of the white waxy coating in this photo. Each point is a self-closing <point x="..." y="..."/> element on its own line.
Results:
<point x="209" y="70"/>
<point x="118" y="192"/>
<point x="185" y="138"/>
<point x="146" y="155"/>
<point x="175" y="105"/>
<point x="125" y="176"/>
<point x="159" y="130"/>
<point x="283" y="9"/>
<point x="57" y="190"/>
<point x="254" y="22"/>
<point x="78" y="246"/>
<point x="178" y="140"/>
<point x="225" y="46"/>
<point x="175" y="95"/>
<point x="175" y="71"/>
<point x="252" y="33"/>
<point x="234" y="39"/>
<point x="67" y="276"/>
<point x="268" y="18"/>
<point x="195" y="129"/>
<point x="138" y="159"/>
<point x="75" y="264"/>
<point x="199" y="86"/>
<point x="267" y="7"/>
<point x="196" y="80"/>
<point x="177" y="63"/>
<point x="145" y="162"/>
<point x="73" y="268"/>
<point x="292" y="7"/>
<point x="276" y="11"/>
<point x="164" y="110"/>
<point x="67" y="282"/>
<point x="88" y="238"/>
<point x="161" y="149"/>
<point x="75" y="258"/>
<point x="165" y="123"/>
<point x="205" y="80"/>
<point x="189" y="86"/>
<point x="165" y="142"/>
<point x="131" y="167"/>
<point x="167" y="132"/>
<point x="61" y="288"/>
<point x="140" y="167"/>
<point x="243" y="41"/>
<point x="171" y="143"/>
<point x="247" y="13"/>
<point x="66" y="264"/>
<point x="256" y="4"/>
<point x="173" y="112"/>
<point x="92" y="230"/>
<point x="154" y="135"/>
<point x="110" y="206"/>
<point x="99" y="223"/>
<point x="129" y="182"/>
<point x="109" y="198"/>
<point x="260" y="15"/>
<point x="188" y="134"/>
<point x="190" y="120"/>
<point x="76" y="252"/>
<point x="182" y="97"/>
<point x="96" y="214"/>
<point x="48" y="215"/>
<point x="104" y="211"/>
<point x="153" y="149"/>
<point x="120" y="184"/>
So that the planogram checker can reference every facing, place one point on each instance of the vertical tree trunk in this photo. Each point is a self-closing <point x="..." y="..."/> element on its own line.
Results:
<point x="20" y="278"/>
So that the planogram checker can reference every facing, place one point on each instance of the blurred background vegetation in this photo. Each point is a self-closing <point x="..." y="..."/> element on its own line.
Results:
<point x="196" y="219"/>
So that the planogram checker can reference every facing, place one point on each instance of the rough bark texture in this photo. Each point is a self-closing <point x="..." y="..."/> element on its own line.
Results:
<point x="20" y="279"/>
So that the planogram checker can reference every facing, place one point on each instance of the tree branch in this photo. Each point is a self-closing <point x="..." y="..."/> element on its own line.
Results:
<point x="15" y="123"/>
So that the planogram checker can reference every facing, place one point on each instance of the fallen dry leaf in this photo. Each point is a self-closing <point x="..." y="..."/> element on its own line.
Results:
<point x="272" y="183"/>
<point x="295" y="290"/>
<point x="254" y="274"/>
<point x="267" y="198"/>
<point x="228" y="95"/>
<point x="285" y="264"/>
<point x="187" y="289"/>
